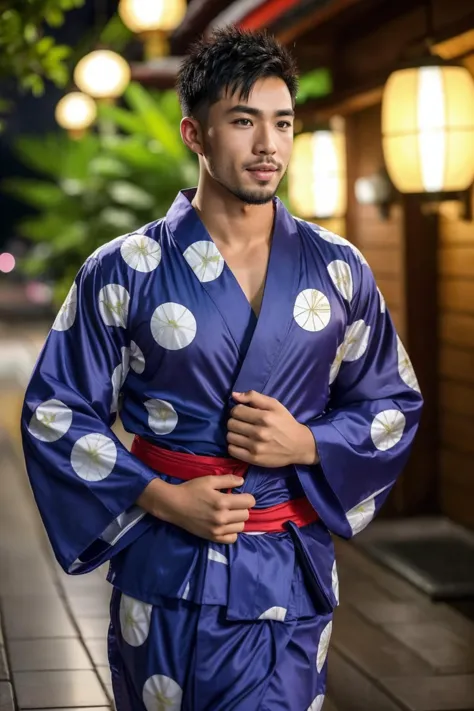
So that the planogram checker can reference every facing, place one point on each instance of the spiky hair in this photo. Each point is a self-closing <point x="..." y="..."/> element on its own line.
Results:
<point x="232" y="60"/>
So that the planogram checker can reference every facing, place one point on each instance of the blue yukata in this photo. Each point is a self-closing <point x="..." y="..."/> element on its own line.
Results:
<point x="156" y="326"/>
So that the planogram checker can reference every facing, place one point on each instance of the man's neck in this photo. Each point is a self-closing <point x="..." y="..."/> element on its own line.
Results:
<point x="231" y="222"/>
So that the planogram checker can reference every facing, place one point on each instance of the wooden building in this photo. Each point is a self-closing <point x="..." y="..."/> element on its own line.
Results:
<point x="422" y="253"/>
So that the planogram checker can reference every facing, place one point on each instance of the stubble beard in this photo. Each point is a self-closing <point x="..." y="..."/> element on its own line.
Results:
<point x="245" y="195"/>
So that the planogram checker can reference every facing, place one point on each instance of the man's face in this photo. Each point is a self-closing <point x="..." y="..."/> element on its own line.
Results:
<point x="247" y="144"/>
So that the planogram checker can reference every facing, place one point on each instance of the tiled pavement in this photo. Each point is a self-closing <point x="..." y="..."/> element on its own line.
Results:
<point x="392" y="649"/>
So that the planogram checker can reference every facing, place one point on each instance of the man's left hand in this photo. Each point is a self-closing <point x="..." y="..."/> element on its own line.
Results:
<point x="263" y="432"/>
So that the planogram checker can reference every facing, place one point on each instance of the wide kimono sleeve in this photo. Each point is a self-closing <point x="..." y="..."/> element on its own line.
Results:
<point x="365" y="435"/>
<point x="84" y="480"/>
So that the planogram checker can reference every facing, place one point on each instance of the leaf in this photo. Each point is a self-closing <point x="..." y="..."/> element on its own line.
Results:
<point x="131" y="195"/>
<point x="44" y="45"/>
<point x="108" y="166"/>
<point x="156" y="121"/>
<point x="54" y="16"/>
<point x="120" y="220"/>
<point x="115" y="34"/>
<point x="30" y="33"/>
<point x="121" y="118"/>
<point x="36" y="193"/>
<point x="314" y="84"/>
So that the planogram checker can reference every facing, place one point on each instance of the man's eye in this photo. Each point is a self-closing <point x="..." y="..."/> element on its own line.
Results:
<point x="243" y="122"/>
<point x="284" y="124"/>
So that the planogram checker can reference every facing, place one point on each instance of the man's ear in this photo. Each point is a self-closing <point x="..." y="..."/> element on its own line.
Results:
<point x="191" y="134"/>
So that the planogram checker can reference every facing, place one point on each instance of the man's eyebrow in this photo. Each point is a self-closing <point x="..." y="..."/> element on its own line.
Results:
<point x="244" y="109"/>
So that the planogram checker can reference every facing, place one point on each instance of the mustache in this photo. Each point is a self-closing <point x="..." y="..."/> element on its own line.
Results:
<point x="270" y="163"/>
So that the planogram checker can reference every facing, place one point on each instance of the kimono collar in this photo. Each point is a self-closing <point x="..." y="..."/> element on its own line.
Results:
<point x="258" y="340"/>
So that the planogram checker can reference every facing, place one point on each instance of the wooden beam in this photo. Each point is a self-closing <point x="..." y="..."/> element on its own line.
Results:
<point x="421" y="230"/>
<point x="159" y="73"/>
<point x="315" y="19"/>
<point x="199" y="15"/>
<point x="341" y="104"/>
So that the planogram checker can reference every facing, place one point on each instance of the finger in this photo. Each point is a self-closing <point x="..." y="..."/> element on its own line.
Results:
<point x="228" y="529"/>
<point x="240" y="427"/>
<point x="254" y="399"/>
<point x="240" y="501"/>
<point x="240" y="441"/>
<point x="232" y="538"/>
<point x="235" y="516"/>
<point x="241" y="453"/>
<point x="225" y="481"/>
<point x="250" y="415"/>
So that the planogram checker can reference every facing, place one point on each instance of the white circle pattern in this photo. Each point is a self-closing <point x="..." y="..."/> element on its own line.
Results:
<point x="205" y="260"/>
<point x="387" y="429"/>
<point x="141" y="253"/>
<point x="114" y="302"/>
<point x="274" y="613"/>
<point x="135" y="619"/>
<point x="361" y="515"/>
<point x="352" y="348"/>
<point x="162" y="417"/>
<point x="341" y="275"/>
<point x="137" y="359"/>
<point x="118" y="378"/>
<point x="405" y="367"/>
<point x="328" y="236"/>
<point x="323" y="646"/>
<point x="173" y="326"/>
<point x="383" y="306"/>
<point x="312" y="310"/>
<point x="67" y="313"/>
<point x="335" y="582"/>
<point x="93" y="457"/>
<point x="161" y="693"/>
<point x="50" y="421"/>
<point x="317" y="704"/>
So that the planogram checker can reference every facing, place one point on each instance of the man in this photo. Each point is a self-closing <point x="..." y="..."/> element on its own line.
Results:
<point x="228" y="328"/>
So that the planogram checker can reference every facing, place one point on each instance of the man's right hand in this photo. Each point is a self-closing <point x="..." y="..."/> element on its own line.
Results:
<point x="200" y="507"/>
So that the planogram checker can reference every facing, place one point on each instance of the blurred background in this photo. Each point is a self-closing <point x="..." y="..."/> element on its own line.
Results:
<point x="384" y="156"/>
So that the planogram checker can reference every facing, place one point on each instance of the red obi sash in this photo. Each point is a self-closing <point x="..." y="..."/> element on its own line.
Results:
<point x="190" y="466"/>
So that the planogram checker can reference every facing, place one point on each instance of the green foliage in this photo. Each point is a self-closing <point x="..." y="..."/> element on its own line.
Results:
<point x="26" y="52"/>
<point x="100" y="186"/>
<point x="314" y="84"/>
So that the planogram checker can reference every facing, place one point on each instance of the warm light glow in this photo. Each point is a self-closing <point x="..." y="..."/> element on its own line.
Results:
<point x="102" y="74"/>
<point x="428" y="128"/>
<point x="317" y="175"/>
<point x="145" y="15"/>
<point x="75" y="111"/>
<point x="7" y="262"/>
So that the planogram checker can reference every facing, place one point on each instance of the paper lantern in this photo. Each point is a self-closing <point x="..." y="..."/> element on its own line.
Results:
<point x="428" y="128"/>
<point x="103" y="74"/>
<point x="317" y="182"/>
<point x="147" y="15"/>
<point x="76" y="111"/>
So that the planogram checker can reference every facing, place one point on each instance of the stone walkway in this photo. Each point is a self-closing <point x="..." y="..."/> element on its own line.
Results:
<point x="392" y="649"/>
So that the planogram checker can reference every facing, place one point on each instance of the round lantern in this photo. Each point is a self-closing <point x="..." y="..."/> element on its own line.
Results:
<point x="103" y="74"/>
<point x="317" y="183"/>
<point x="428" y="128"/>
<point x="75" y="112"/>
<point x="146" y="15"/>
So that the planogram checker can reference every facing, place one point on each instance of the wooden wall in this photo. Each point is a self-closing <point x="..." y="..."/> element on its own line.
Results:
<point x="380" y="240"/>
<point x="456" y="386"/>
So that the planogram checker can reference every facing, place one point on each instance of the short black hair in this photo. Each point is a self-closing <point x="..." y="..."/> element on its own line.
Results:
<point x="233" y="60"/>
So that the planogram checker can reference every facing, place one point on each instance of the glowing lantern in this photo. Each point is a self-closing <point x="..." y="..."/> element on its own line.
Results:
<point x="102" y="74"/>
<point x="153" y="20"/>
<point x="75" y="112"/>
<point x="317" y="175"/>
<point x="428" y="128"/>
